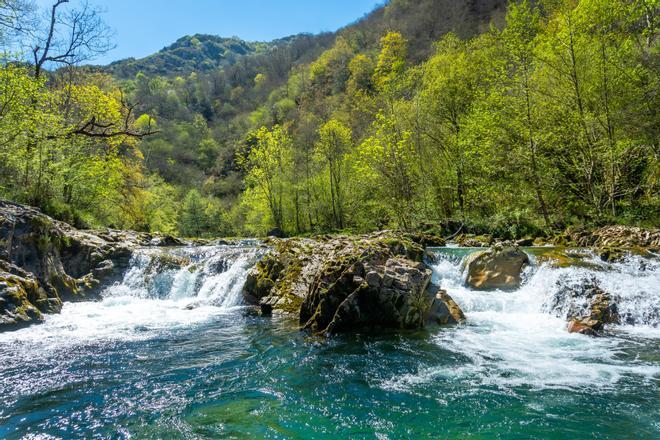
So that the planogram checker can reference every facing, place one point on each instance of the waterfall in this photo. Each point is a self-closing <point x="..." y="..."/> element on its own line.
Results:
<point x="207" y="275"/>
<point x="520" y="337"/>
<point x="163" y="289"/>
<point x="634" y="285"/>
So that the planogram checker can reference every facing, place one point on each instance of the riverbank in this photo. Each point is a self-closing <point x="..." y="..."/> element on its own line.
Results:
<point x="44" y="262"/>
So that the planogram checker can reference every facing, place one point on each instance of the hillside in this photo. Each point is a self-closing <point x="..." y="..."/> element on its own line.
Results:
<point x="502" y="118"/>
<point x="421" y="22"/>
<point x="264" y="87"/>
<point x="200" y="53"/>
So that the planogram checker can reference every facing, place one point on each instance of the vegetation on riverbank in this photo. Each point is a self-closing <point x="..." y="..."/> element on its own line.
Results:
<point x="545" y="119"/>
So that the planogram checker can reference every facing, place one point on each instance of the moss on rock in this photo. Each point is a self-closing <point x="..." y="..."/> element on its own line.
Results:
<point x="335" y="284"/>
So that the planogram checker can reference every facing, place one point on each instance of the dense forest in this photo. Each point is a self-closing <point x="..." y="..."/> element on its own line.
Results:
<point x="519" y="116"/>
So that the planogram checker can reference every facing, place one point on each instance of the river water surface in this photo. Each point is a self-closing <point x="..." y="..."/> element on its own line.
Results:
<point x="171" y="353"/>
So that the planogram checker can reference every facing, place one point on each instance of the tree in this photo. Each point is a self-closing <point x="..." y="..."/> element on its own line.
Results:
<point x="391" y="62"/>
<point x="386" y="163"/>
<point x="15" y="17"/>
<point x="333" y="146"/>
<point x="267" y="164"/>
<point x="519" y="36"/>
<point x="449" y="85"/>
<point x="192" y="218"/>
<point x="68" y="38"/>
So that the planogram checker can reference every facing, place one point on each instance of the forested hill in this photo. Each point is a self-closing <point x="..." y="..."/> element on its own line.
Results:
<point x="422" y="22"/>
<point x="512" y="117"/>
<point x="188" y="54"/>
<point x="204" y="53"/>
<point x="265" y="87"/>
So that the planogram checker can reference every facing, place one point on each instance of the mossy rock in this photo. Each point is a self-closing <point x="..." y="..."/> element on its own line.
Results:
<point x="342" y="283"/>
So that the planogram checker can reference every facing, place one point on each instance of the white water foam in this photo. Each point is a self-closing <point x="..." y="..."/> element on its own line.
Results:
<point x="512" y="339"/>
<point x="153" y="297"/>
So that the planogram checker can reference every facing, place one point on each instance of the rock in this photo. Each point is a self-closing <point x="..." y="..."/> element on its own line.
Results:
<point x="500" y="267"/>
<point x="44" y="262"/>
<point x="164" y="240"/>
<point x="584" y="326"/>
<point x="617" y="236"/>
<point x="276" y="233"/>
<point x="539" y="241"/>
<point x="444" y="309"/>
<point x="373" y="279"/>
<point x="468" y="240"/>
<point x="103" y="269"/>
<point x="525" y="242"/>
<point x="585" y="305"/>
<point x="341" y="284"/>
<point x="559" y="257"/>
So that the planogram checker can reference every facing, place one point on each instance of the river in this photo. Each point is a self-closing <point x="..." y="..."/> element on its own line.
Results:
<point x="170" y="352"/>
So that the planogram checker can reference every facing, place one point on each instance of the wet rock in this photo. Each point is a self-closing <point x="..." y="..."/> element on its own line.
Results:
<point x="44" y="262"/>
<point x="584" y="326"/>
<point x="19" y="296"/>
<point x="340" y="284"/>
<point x="444" y="309"/>
<point x="500" y="267"/>
<point x="586" y="306"/>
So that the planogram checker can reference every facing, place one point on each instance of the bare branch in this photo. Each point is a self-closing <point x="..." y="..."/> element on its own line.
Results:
<point x="72" y="37"/>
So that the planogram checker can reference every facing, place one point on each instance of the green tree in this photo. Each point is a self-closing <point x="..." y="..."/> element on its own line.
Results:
<point x="333" y="146"/>
<point x="192" y="217"/>
<point x="267" y="164"/>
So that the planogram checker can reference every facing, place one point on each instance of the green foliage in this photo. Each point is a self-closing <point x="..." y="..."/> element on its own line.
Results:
<point x="417" y="114"/>
<point x="186" y="55"/>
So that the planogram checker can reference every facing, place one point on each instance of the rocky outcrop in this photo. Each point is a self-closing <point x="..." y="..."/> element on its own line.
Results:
<point x="585" y="305"/>
<point x="44" y="262"/>
<point x="613" y="243"/>
<point x="339" y="284"/>
<point x="470" y="240"/>
<point x="500" y="267"/>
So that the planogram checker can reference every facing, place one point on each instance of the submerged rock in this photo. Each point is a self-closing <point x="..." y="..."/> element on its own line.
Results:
<point x="339" y="284"/>
<point x="500" y="267"/>
<point x="585" y="305"/>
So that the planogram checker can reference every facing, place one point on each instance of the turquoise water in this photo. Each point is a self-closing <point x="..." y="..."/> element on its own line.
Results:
<point x="139" y="364"/>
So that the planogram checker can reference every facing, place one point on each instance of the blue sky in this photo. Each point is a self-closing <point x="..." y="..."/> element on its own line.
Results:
<point x="143" y="27"/>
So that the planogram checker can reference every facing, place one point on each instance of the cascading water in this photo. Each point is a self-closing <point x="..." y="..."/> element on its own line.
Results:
<point x="166" y="354"/>
<point x="520" y="338"/>
<point x="162" y="288"/>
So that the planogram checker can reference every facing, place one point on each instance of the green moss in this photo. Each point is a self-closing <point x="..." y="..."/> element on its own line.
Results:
<point x="561" y="257"/>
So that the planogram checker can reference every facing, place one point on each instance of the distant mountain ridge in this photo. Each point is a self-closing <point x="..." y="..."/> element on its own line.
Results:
<point x="199" y="52"/>
<point x="421" y="21"/>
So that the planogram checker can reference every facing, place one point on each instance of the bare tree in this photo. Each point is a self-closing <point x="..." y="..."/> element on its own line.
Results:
<point x="69" y="37"/>
<point x="16" y="16"/>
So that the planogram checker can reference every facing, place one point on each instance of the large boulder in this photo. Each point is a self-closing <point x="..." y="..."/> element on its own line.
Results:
<point x="340" y="284"/>
<point x="500" y="267"/>
<point x="44" y="262"/>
